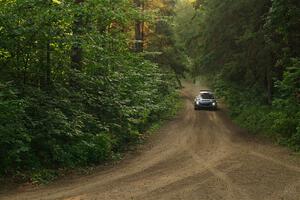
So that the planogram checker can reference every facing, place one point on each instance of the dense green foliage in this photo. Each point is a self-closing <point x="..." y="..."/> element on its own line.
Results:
<point x="251" y="49"/>
<point x="162" y="48"/>
<point x="72" y="93"/>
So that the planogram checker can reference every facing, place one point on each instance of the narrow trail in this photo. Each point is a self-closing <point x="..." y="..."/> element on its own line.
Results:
<point x="200" y="155"/>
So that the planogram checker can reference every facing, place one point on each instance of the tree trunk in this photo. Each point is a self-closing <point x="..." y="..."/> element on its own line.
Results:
<point x="178" y="81"/>
<point x="76" y="52"/>
<point x="48" y="66"/>
<point x="139" y="29"/>
<point x="269" y="85"/>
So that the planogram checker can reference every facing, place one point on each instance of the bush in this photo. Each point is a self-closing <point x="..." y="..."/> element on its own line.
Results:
<point x="15" y="138"/>
<point x="68" y="127"/>
<point x="281" y="120"/>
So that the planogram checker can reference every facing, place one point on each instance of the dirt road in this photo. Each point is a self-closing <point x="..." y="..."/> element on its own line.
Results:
<point x="200" y="155"/>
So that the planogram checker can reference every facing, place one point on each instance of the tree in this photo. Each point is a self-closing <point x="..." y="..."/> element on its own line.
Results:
<point x="162" y="48"/>
<point x="76" y="52"/>
<point x="72" y="91"/>
<point x="139" y="27"/>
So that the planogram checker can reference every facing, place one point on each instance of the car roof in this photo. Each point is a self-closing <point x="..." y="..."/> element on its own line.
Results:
<point x="206" y="91"/>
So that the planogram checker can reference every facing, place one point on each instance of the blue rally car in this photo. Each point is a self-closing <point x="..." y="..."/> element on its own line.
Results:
<point x="205" y="100"/>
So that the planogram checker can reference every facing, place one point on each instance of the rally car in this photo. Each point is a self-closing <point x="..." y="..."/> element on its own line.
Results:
<point x="205" y="100"/>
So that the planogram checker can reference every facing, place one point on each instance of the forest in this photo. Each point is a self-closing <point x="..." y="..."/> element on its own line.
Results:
<point x="77" y="86"/>
<point x="249" y="50"/>
<point x="81" y="81"/>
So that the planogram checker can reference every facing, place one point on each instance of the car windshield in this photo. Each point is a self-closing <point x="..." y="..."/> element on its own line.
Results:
<point x="207" y="96"/>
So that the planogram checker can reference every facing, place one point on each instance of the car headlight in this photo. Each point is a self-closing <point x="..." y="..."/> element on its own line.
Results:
<point x="214" y="104"/>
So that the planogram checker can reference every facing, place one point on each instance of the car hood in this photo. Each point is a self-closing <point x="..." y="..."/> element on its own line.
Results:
<point x="206" y="100"/>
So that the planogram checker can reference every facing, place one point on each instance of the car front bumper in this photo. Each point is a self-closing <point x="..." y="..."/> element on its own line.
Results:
<point x="206" y="105"/>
